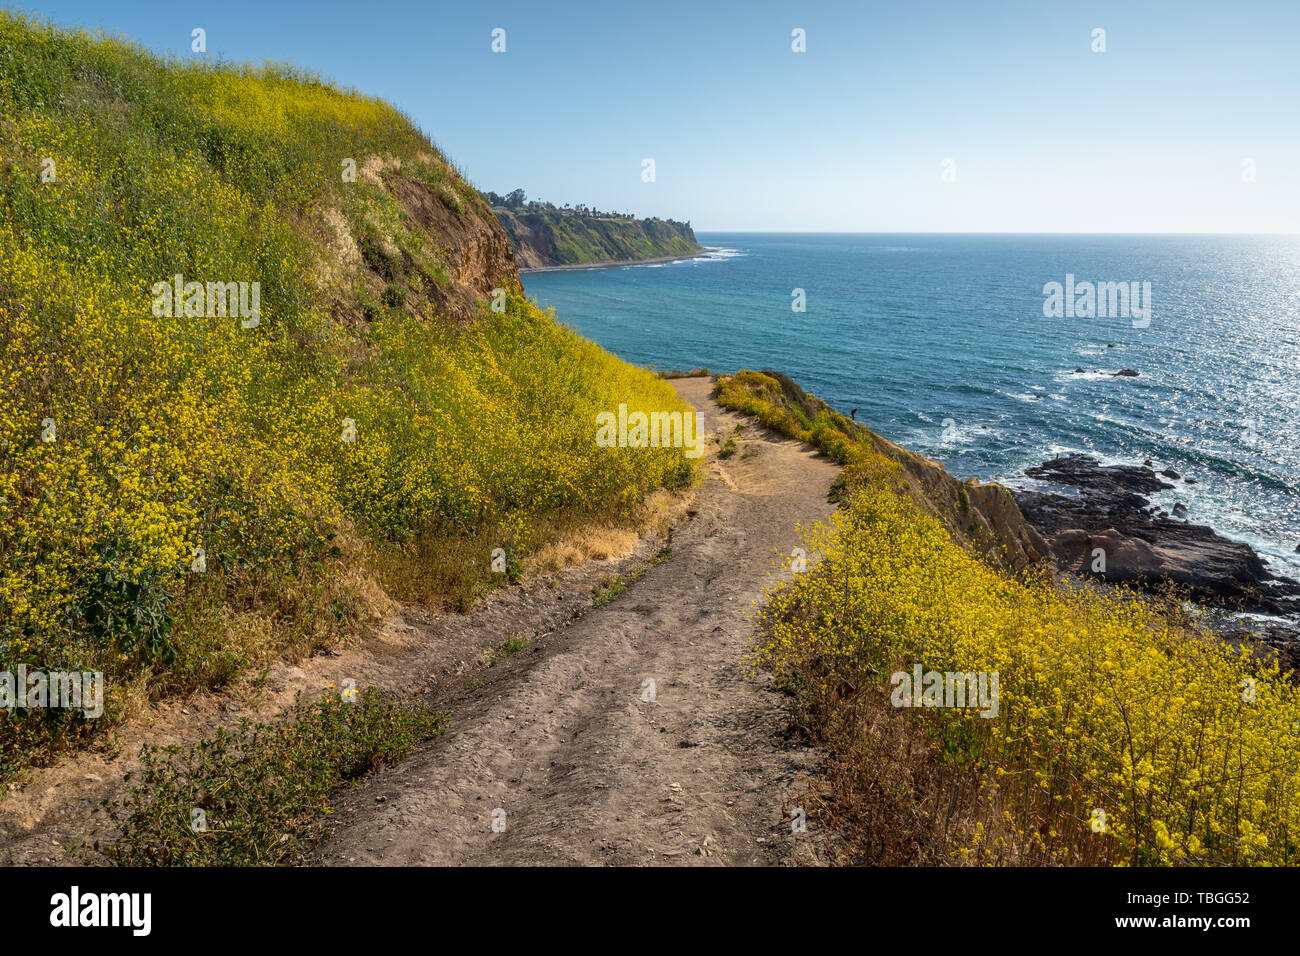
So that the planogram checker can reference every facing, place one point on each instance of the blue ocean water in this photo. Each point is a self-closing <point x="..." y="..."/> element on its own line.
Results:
<point x="941" y="344"/>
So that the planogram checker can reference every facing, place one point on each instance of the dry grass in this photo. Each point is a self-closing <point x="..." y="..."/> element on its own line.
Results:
<point x="595" y="543"/>
<point x="888" y="799"/>
<point x="609" y="540"/>
<point x="373" y="168"/>
<point x="339" y="246"/>
<point x="440" y="569"/>
<point x="449" y="570"/>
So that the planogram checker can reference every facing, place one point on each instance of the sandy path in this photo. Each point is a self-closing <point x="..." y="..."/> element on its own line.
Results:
<point x="558" y="736"/>
<point x="586" y="771"/>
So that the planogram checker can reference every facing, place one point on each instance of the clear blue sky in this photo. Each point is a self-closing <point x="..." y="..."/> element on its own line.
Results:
<point x="1046" y="135"/>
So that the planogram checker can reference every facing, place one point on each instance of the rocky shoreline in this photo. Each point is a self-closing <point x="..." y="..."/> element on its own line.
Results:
<point x="1101" y="526"/>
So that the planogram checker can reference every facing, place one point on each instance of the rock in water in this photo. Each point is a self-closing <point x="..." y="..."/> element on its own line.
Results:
<point x="1087" y="474"/>
<point x="1109" y="510"/>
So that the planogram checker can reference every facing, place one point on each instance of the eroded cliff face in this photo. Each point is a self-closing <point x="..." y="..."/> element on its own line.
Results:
<point x="478" y="253"/>
<point x="414" y="234"/>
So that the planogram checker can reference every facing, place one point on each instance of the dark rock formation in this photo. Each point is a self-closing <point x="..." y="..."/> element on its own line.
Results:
<point x="1109" y="530"/>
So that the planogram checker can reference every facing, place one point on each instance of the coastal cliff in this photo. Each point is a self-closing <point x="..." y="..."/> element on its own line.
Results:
<point x="555" y="239"/>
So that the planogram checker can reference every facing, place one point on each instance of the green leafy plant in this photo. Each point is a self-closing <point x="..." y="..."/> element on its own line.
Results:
<point x="261" y="785"/>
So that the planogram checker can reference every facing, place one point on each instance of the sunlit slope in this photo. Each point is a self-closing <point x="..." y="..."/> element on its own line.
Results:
<point x="190" y="482"/>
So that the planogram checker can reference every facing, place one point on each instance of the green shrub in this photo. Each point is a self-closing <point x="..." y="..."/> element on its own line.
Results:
<point x="262" y="784"/>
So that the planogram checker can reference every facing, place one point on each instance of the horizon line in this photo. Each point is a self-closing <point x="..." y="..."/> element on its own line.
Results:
<point x="973" y="232"/>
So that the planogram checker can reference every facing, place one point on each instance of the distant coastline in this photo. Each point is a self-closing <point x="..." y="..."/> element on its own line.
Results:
<point x="544" y="236"/>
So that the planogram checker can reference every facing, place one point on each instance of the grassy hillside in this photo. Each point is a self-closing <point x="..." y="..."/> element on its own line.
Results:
<point x="554" y="239"/>
<point x="1124" y="733"/>
<point x="184" y="496"/>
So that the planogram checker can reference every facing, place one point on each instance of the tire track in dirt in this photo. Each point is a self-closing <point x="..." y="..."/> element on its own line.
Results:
<point x="586" y="771"/>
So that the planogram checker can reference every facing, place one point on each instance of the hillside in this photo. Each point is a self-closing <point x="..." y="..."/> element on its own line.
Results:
<point x="265" y="368"/>
<point x="1106" y="728"/>
<point x="274" y="409"/>
<point x="550" y="239"/>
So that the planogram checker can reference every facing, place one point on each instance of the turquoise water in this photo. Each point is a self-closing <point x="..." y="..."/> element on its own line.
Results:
<point x="941" y="343"/>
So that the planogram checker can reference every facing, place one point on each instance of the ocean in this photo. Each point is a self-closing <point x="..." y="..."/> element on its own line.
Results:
<point x="941" y="344"/>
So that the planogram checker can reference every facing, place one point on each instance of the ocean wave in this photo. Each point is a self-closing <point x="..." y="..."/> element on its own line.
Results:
<point x="951" y="437"/>
<point x="1095" y="376"/>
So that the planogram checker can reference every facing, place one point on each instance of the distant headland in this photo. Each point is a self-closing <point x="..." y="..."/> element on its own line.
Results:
<point x="546" y="236"/>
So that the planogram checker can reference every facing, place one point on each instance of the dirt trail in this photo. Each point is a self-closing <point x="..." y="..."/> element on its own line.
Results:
<point x="585" y="770"/>
<point x="556" y="734"/>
